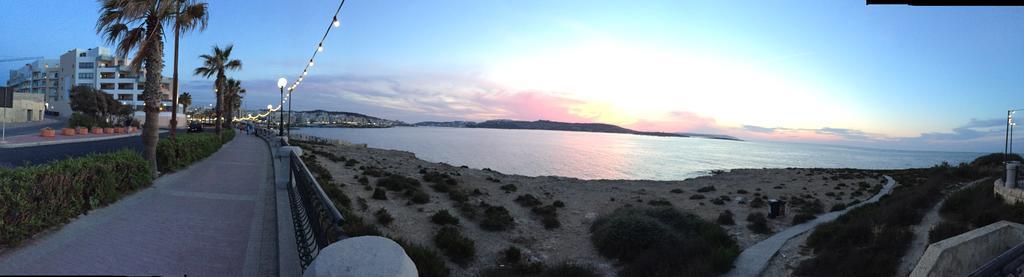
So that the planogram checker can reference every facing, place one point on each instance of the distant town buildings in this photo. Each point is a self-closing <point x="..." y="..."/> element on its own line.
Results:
<point x="340" y="119"/>
<point x="95" y="67"/>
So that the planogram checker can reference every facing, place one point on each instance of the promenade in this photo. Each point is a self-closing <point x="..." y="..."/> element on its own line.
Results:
<point x="215" y="218"/>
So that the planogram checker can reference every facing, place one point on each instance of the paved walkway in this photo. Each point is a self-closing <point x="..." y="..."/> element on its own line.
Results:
<point x="753" y="260"/>
<point x="215" y="218"/>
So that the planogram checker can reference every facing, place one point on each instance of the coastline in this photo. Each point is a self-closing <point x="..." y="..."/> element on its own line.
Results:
<point x="584" y="200"/>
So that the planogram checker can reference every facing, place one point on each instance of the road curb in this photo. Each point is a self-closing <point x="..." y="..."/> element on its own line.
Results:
<point x="54" y="142"/>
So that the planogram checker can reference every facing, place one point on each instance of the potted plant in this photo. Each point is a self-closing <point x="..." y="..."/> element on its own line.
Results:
<point x="67" y="131"/>
<point x="48" y="132"/>
<point x="118" y="130"/>
<point x="82" y="130"/>
<point x="108" y="130"/>
<point x="97" y="130"/>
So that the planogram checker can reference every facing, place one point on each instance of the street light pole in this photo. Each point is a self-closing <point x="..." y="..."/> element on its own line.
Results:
<point x="280" y="84"/>
<point x="290" y="112"/>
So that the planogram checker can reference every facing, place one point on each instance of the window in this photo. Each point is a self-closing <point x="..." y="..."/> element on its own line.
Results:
<point x="81" y="54"/>
<point x="124" y="97"/>
<point x="87" y="65"/>
<point x="88" y="85"/>
<point x="86" y="75"/>
<point x="107" y="75"/>
<point x="126" y="86"/>
<point x="106" y="85"/>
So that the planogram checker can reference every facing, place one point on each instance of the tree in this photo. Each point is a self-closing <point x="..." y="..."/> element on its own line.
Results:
<point x="137" y="26"/>
<point x="232" y="98"/>
<point x="185" y="100"/>
<point x="99" y="106"/>
<point x="191" y="16"/>
<point x="216" y="64"/>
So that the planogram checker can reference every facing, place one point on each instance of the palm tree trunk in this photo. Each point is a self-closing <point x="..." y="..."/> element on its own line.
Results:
<point x="220" y="100"/>
<point x="151" y="94"/>
<point x="174" y="94"/>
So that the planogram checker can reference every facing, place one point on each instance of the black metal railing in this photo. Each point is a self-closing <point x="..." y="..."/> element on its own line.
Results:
<point x="317" y="221"/>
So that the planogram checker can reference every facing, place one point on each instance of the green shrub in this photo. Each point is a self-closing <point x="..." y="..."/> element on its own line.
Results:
<point x="398" y="183"/>
<point x="185" y="149"/>
<point x="34" y="198"/>
<point x="496" y="218"/>
<point x="418" y="196"/>
<point x="428" y="262"/>
<point x="706" y="189"/>
<point x="512" y="255"/>
<point x="384" y="217"/>
<point x="803" y="217"/>
<point x="457" y="247"/>
<point x="570" y="270"/>
<point x="945" y="230"/>
<point x="510" y="188"/>
<point x="443" y="217"/>
<point x="758" y="223"/>
<point x="838" y="207"/>
<point x="663" y="242"/>
<point x="725" y="218"/>
<point x="527" y="200"/>
<point x="380" y="194"/>
<point x="83" y="120"/>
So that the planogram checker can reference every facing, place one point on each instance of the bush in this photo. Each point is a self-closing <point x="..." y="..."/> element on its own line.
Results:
<point x="83" y="120"/>
<point x="380" y="194"/>
<point x="496" y="218"/>
<point x="663" y="242"/>
<point x="510" y="188"/>
<point x="725" y="218"/>
<point x="34" y="198"/>
<point x="512" y="255"/>
<point x="443" y="217"/>
<point x="945" y="230"/>
<point x="803" y="217"/>
<point x="758" y="223"/>
<point x="838" y="207"/>
<point x="457" y="247"/>
<point x="428" y="263"/>
<point x="706" y="189"/>
<point x="419" y="196"/>
<point x="697" y="197"/>
<point x="570" y="270"/>
<point x="383" y="217"/>
<point x="527" y="200"/>
<point x="398" y="183"/>
<point x="185" y="149"/>
<point x="757" y="203"/>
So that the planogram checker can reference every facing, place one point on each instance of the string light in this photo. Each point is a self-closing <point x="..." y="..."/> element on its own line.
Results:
<point x="335" y="23"/>
<point x="251" y="117"/>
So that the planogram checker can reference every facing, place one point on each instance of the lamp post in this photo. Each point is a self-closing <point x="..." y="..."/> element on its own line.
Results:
<point x="290" y="112"/>
<point x="269" y="106"/>
<point x="280" y="85"/>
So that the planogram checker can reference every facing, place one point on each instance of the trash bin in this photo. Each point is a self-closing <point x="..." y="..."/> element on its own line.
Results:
<point x="776" y="208"/>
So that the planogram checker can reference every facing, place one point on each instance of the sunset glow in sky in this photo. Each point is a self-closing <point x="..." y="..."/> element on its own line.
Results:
<point x="901" y="77"/>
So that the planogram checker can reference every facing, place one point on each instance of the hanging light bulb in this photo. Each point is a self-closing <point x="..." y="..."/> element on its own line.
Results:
<point x="336" y="22"/>
<point x="304" y="72"/>
<point x="310" y="63"/>
<point x="320" y="48"/>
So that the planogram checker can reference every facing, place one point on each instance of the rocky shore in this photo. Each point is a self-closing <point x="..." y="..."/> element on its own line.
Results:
<point x="533" y="202"/>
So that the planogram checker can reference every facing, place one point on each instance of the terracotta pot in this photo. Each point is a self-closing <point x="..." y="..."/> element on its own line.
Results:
<point x="48" y="133"/>
<point x="119" y="130"/>
<point x="108" y="130"/>
<point x="67" y="132"/>
<point x="97" y="130"/>
<point x="82" y="130"/>
<point x="131" y="129"/>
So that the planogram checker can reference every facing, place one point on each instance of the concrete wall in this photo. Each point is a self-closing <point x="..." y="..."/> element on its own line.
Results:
<point x="962" y="254"/>
<point x="26" y="106"/>
<point x="1010" y="195"/>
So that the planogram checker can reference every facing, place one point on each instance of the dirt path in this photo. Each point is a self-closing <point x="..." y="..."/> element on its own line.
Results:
<point x="920" y="242"/>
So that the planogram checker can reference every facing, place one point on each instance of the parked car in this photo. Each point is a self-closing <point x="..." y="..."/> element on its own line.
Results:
<point x="195" y="127"/>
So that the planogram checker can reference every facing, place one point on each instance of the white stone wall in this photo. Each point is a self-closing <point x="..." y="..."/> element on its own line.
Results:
<point x="24" y="103"/>
<point x="1009" y="195"/>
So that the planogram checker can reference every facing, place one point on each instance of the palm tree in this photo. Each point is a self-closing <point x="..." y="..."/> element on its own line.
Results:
<point x="138" y="26"/>
<point x="191" y="16"/>
<point x="232" y="98"/>
<point x="185" y="100"/>
<point x="216" y="64"/>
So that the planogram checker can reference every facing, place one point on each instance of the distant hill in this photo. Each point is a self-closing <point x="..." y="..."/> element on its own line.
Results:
<point x="562" y="126"/>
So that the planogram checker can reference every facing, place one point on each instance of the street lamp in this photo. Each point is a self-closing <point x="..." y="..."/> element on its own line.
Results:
<point x="269" y="106"/>
<point x="280" y="85"/>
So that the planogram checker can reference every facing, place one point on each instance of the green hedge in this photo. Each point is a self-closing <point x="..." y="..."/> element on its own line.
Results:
<point x="185" y="149"/>
<point x="35" y="198"/>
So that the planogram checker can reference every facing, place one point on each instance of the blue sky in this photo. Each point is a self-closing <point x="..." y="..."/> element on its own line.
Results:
<point x="841" y="72"/>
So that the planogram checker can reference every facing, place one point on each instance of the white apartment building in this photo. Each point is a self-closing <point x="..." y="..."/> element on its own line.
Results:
<point x="39" y="76"/>
<point x="99" y="68"/>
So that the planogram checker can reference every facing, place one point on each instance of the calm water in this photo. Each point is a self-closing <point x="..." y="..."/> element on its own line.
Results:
<point x="619" y="156"/>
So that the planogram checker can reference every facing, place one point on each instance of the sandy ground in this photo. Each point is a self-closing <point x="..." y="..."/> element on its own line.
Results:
<point x="585" y="200"/>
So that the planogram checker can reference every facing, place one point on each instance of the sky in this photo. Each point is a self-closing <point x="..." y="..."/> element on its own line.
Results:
<point x="832" y="72"/>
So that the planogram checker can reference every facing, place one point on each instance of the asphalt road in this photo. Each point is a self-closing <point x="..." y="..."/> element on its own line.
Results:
<point x="13" y="157"/>
<point x="33" y="129"/>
